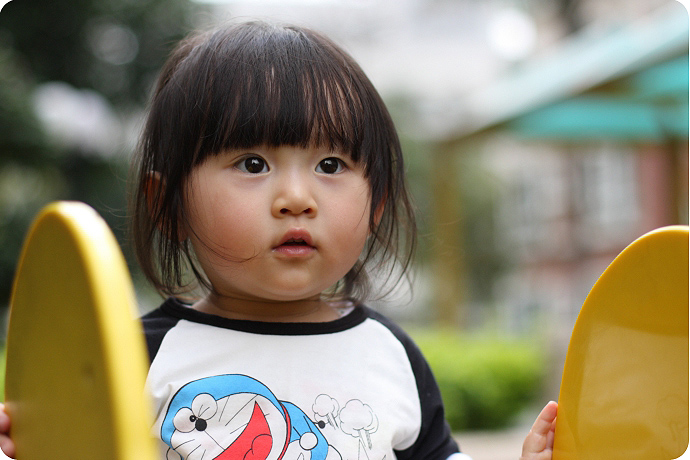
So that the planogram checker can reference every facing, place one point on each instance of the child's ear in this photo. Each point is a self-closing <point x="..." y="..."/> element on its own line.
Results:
<point x="153" y="192"/>
<point x="153" y="189"/>
<point x="378" y="214"/>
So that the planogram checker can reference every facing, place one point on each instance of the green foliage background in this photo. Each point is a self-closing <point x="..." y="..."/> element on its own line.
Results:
<point x="47" y="41"/>
<point x="485" y="382"/>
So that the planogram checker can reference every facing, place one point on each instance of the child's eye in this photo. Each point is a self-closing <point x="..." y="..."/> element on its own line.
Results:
<point x="252" y="165"/>
<point x="330" y="165"/>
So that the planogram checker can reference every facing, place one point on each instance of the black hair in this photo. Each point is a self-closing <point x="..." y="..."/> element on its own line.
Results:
<point x="248" y="84"/>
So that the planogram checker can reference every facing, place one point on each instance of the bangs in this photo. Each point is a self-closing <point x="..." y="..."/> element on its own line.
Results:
<point x="281" y="86"/>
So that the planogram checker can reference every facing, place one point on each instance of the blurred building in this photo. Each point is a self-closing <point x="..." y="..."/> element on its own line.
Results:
<point x="590" y="145"/>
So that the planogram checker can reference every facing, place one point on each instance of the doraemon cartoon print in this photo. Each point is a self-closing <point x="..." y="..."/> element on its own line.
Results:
<point x="235" y="417"/>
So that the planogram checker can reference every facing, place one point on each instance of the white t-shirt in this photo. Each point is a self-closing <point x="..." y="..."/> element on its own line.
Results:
<point x="354" y="388"/>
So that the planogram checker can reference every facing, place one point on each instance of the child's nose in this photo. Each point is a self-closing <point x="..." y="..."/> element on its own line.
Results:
<point x="294" y="198"/>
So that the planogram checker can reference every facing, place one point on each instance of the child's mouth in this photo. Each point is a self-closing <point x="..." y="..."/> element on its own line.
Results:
<point x="295" y="247"/>
<point x="295" y="242"/>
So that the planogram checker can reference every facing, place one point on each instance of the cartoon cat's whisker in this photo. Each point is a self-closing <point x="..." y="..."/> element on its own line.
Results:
<point x="182" y="444"/>
<point x="239" y="428"/>
<point x="194" y="450"/>
<point x="239" y="410"/>
<point x="222" y="411"/>
<point x="213" y="439"/>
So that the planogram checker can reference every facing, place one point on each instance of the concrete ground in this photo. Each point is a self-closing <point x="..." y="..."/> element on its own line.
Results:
<point x="493" y="445"/>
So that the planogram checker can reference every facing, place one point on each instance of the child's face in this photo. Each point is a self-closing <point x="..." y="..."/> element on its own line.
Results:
<point x="277" y="224"/>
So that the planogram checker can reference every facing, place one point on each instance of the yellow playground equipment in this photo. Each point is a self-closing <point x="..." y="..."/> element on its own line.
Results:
<point x="76" y="361"/>
<point x="624" y="391"/>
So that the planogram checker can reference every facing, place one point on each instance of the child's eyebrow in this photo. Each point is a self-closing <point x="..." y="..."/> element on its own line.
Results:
<point x="236" y="152"/>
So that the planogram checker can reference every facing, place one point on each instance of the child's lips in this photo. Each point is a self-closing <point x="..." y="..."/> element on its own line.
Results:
<point x="295" y="243"/>
<point x="295" y="250"/>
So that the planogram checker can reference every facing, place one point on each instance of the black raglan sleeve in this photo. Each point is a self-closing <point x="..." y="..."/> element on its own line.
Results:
<point x="156" y="324"/>
<point x="434" y="441"/>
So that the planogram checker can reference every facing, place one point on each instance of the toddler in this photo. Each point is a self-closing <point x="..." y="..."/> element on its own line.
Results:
<point x="270" y="170"/>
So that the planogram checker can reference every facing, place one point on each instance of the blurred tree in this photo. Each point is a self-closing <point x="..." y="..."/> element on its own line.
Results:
<point x="112" y="46"/>
<point x="21" y="136"/>
<point x="569" y="12"/>
<point x="474" y="194"/>
<point x="106" y="52"/>
<point x="25" y="178"/>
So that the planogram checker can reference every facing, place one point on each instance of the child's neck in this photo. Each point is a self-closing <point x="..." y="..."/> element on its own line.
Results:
<point x="312" y="310"/>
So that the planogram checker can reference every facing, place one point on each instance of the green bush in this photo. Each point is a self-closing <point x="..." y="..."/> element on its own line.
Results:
<point x="484" y="382"/>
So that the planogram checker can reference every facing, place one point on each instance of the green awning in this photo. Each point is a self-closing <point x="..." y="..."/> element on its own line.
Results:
<point x="650" y="106"/>
<point x="627" y="83"/>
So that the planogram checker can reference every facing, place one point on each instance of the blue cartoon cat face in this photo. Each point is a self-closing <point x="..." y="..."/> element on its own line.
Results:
<point x="230" y="417"/>
<point x="233" y="427"/>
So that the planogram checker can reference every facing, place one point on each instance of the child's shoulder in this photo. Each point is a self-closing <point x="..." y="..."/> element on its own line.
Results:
<point x="391" y="325"/>
<point x="156" y="324"/>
